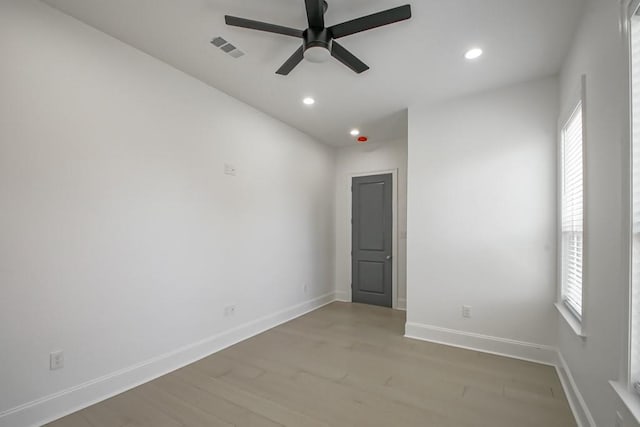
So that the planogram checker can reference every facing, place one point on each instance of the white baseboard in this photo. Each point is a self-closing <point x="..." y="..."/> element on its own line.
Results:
<point x="402" y="304"/>
<point x="487" y="344"/>
<point x="54" y="406"/>
<point x="578" y="406"/>
<point x="343" y="296"/>
<point x="547" y="355"/>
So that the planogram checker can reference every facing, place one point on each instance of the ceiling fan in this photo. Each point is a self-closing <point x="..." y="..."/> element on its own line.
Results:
<point x="318" y="41"/>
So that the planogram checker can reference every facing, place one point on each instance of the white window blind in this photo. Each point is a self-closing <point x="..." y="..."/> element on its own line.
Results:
<point x="572" y="212"/>
<point x="635" y="215"/>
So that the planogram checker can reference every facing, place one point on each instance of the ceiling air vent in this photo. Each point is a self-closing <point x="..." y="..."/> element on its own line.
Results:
<point x="227" y="47"/>
<point x="218" y="42"/>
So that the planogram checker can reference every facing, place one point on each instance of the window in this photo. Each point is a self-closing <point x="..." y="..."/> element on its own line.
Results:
<point x="629" y="388"/>
<point x="635" y="205"/>
<point x="572" y="186"/>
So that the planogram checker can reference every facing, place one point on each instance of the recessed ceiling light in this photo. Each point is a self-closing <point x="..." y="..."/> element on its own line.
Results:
<point x="473" y="53"/>
<point x="355" y="132"/>
<point x="309" y="101"/>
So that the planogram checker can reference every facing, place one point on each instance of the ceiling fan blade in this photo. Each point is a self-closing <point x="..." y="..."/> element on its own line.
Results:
<point x="262" y="26"/>
<point x="291" y="63"/>
<point x="347" y="58"/>
<point x="315" y="13"/>
<point x="371" y="21"/>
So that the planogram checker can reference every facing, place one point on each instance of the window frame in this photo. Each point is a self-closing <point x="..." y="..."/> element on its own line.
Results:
<point x="623" y="387"/>
<point x="632" y="376"/>
<point x="577" y="99"/>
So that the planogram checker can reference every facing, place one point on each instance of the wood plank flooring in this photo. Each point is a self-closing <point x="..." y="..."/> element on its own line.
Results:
<point x="342" y="365"/>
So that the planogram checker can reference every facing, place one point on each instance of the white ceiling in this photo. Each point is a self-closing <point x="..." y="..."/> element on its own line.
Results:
<point x="416" y="61"/>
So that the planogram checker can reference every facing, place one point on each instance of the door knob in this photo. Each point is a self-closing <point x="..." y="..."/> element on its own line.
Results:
<point x="388" y="257"/>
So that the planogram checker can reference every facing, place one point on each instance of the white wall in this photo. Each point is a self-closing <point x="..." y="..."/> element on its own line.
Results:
<point x="120" y="237"/>
<point x="360" y="159"/>
<point x="482" y="216"/>
<point x="598" y="52"/>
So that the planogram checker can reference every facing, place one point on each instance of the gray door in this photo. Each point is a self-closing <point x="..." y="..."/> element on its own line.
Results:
<point x="371" y="240"/>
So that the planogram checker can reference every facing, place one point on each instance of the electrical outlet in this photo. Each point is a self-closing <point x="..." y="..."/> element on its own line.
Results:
<point x="466" y="311"/>
<point x="229" y="169"/>
<point x="619" y="420"/>
<point x="56" y="360"/>
<point x="305" y="288"/>
<point x="229" y="310"/>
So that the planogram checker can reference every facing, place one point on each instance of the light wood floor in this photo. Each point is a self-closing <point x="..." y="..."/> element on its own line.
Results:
<point x="342" y="365"/>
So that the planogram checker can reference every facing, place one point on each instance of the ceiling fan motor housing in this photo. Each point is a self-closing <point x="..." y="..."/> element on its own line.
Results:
<point x="317" y="44"/>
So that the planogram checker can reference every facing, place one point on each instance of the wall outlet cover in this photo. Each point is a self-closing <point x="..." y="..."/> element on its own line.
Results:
<point x="466" y="311"/>
<point x="56" y="360"/>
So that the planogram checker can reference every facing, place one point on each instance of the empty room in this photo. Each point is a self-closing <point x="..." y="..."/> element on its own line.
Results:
<point x="320" y="213"/>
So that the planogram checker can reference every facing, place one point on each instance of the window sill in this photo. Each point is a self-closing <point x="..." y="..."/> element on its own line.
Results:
<point x="574" y="323"/>
<point x="630" y="399"/>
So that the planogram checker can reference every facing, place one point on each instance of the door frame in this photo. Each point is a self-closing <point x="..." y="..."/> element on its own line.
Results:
<point x="394" y="230"/>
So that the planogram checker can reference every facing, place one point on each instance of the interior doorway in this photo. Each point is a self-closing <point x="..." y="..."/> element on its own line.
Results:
<point x="372" y="240"/>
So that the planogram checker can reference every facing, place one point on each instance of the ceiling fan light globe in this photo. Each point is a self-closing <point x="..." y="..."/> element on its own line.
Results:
<point x="317" y="54"/>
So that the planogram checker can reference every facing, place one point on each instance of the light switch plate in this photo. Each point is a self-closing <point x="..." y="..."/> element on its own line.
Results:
<point x="229" y="169"/>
